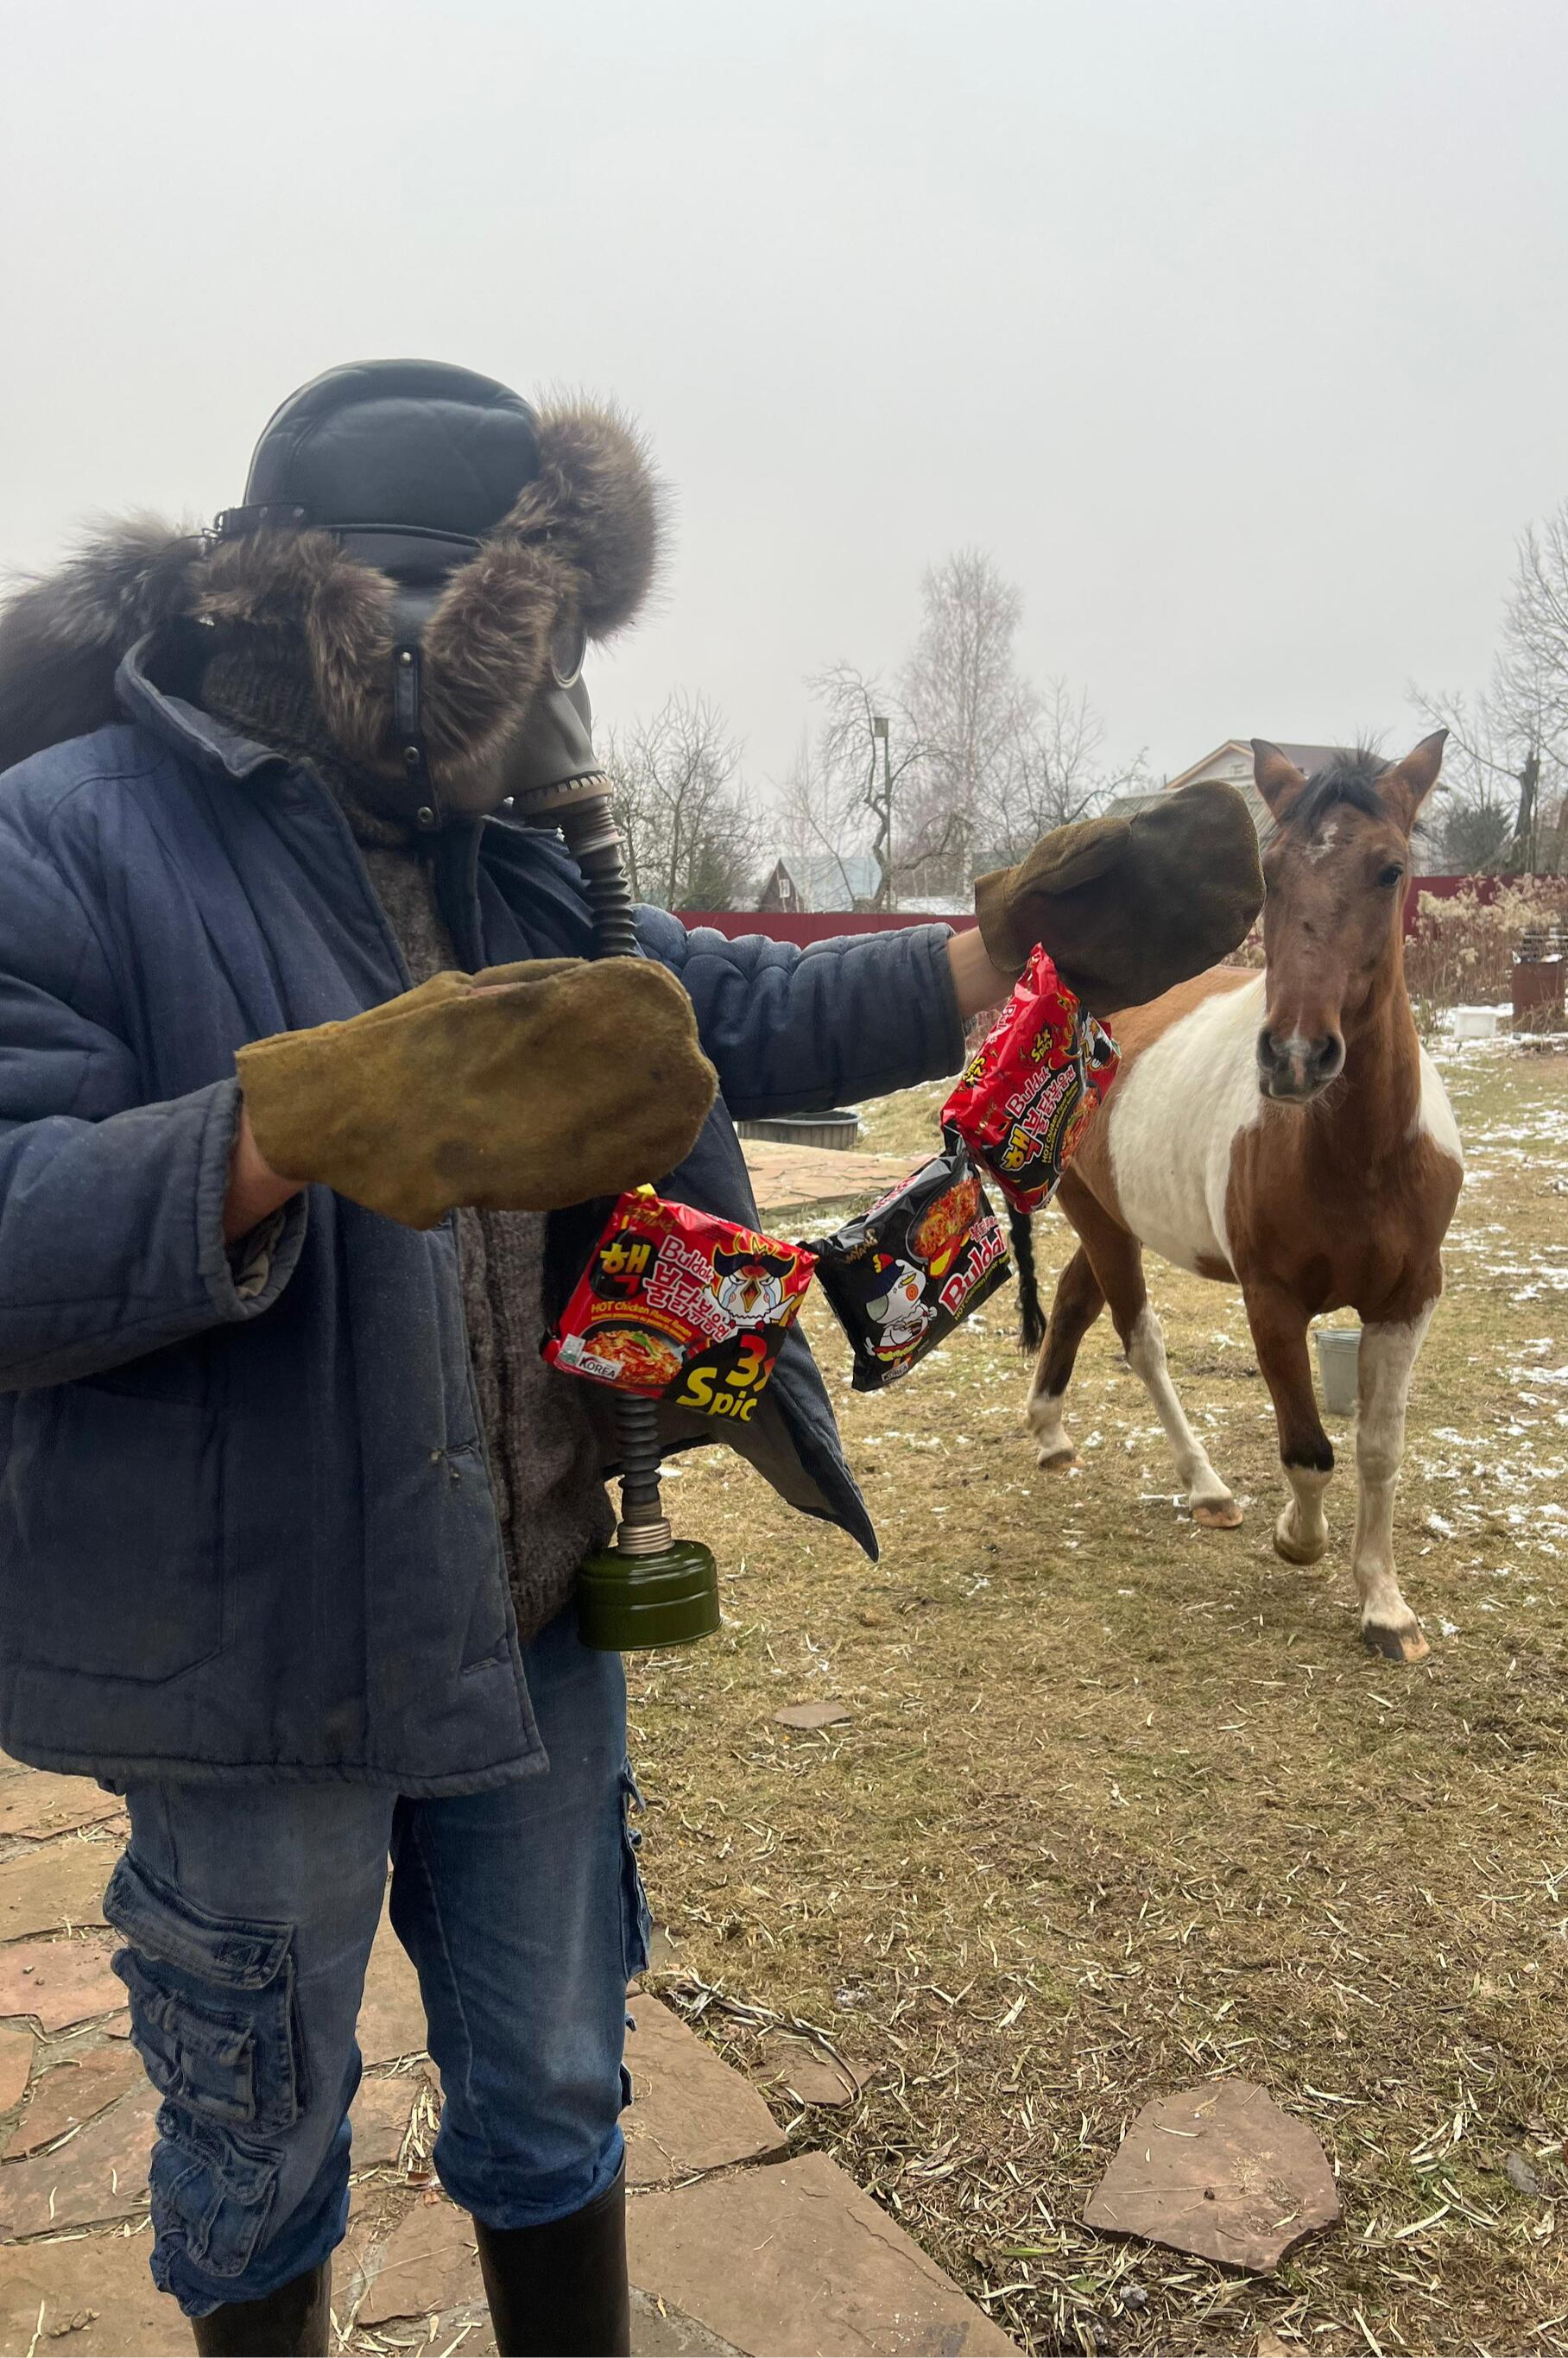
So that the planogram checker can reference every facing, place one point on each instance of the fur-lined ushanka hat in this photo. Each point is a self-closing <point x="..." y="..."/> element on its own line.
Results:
<point x="407" y="526"/>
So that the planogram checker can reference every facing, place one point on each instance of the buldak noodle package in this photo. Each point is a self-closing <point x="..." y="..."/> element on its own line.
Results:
<point x="1032" y="1086"/>
<point x="679" y="1306"/>
<point x="901" y="1275"/>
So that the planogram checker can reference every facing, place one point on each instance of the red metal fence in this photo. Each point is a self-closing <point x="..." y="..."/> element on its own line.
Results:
<point x="830" y="924"/>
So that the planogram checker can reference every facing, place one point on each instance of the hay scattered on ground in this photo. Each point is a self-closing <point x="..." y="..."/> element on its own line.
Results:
<point x="1124" y="1804"/>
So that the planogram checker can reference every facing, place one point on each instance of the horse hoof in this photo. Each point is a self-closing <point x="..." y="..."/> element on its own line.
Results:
<point x="1059" y="1461"/>
<point x="1298" y="1551"/>
<point x="1218" y="1515"/>
<point x="1397" y="1644"/>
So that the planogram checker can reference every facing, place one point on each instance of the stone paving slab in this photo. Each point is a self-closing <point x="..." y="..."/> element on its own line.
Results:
<point x="794" y="2258"/>
<point x="39" y="1804"/>
<point x="60" y="1981"/>
<point x="392" y="2012"/>
<point x="101" y="2175"/>
<point x="660" y="2331"/>
<point x="429" y="2264"/>
<point x="73" y="2093"/>
<point x="101" y="2282"/>
<point x="380" y="2114"/>
<point x="59" y="1883"/>
<point x="17" y="2048"/>
<point x="789" y="1180"/>
<point x="689" y="2111"/>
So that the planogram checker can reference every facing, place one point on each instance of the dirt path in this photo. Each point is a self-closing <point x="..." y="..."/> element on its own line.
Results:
<point x="1118" y="1804"/>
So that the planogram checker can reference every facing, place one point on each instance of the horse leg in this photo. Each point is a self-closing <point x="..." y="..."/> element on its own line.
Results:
<point x="1211" y="1503"/>
<point x="1279" y="1334"/>
<point x="1115" y="1260"/>
<point x="1078" y="1303"/>
<point x="1388" y="1357"/>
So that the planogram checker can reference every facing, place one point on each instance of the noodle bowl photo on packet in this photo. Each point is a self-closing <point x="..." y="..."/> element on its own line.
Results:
<point x="901" y="1276"/>
<point x="1033" y="1087"/>
<point x="679" y="1306"/>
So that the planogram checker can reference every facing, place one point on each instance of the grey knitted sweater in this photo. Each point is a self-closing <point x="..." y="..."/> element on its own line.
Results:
<point x="542" y="1448"/>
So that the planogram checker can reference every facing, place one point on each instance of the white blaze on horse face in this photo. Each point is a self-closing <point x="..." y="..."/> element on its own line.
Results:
<point x="1174" y="1120"/>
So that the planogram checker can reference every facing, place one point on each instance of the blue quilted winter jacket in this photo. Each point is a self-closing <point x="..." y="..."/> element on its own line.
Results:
<point x="250" y="1533"/>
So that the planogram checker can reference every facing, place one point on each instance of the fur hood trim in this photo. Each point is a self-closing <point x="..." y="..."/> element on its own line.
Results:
<point x="580" y="550"/>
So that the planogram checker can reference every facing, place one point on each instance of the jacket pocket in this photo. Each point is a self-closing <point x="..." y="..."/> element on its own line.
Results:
<point x="111" y="1533"/>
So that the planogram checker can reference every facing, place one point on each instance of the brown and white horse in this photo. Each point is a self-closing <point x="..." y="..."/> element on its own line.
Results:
<point x="1285" y="1133"/>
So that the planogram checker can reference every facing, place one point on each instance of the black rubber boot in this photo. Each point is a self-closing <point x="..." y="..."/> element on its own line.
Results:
<point x="295" y="2321"/>
<point x="560" y="2291"/>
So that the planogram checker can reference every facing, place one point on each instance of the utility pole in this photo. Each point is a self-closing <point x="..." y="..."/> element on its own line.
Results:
<point x="1529" y="782"/>
<point x="883" y="811"/>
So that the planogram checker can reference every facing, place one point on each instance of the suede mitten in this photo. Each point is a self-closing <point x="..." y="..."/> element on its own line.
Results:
<point x="523" y="1089"/>
<point x="1128" y="908"/>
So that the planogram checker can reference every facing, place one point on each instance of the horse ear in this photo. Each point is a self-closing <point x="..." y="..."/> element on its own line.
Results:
<point x="1277" y="780"/>
<point x="1407" y="786"/>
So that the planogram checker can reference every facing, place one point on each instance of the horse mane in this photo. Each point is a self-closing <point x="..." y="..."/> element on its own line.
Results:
<point x="1349" y="780"/>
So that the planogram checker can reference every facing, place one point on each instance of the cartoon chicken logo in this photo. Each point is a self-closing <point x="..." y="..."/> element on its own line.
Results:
<point x="900" y="1310"/>
<point x="751" y="1285"/>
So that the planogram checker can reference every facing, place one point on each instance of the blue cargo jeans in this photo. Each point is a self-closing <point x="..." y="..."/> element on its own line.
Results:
<point x="248" y="1913"/>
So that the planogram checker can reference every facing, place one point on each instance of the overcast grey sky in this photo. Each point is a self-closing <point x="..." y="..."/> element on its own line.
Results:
<point x="1236" y="331"/>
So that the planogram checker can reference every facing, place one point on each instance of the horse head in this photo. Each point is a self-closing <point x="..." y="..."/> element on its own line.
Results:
<point x="1335" y="870"/>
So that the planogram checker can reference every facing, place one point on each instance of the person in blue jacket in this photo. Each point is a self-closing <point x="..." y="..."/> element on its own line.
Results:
<point x="291" y="1507"/>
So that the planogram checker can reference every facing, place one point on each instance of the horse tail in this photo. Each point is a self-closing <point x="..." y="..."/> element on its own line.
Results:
<point x="1031" y="1319"/>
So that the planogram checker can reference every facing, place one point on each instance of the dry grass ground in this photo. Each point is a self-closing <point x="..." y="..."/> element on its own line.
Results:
<point x="1123" y="1803"/>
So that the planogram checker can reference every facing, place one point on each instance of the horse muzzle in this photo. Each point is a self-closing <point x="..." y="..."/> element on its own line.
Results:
<point x="1296" y="1069"/>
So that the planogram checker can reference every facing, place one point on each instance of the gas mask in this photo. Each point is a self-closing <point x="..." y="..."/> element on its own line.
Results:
<point x="444" y="554"/>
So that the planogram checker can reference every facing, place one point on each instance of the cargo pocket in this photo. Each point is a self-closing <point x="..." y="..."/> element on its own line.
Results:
<point x="636" y="1925"/>
<point x="215" y="2020"/>
<point x="210" y="2197"/>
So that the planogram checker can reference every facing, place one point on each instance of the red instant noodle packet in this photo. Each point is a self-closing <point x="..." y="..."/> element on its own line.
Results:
<point x="681" y="1306"/>
<point x="1032" y="1086"/>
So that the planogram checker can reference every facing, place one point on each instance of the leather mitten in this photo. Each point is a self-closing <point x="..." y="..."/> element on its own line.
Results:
<point x="1128" y="908"/>
<point x="524" y="1089"/>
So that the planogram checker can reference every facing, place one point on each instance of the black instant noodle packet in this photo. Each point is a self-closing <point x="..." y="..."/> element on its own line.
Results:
<point x="901" y="1275"/>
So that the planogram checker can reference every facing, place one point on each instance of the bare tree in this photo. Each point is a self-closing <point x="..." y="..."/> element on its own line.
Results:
<point x="1475" y="823"/>
<point x="971" y="712"/>
<point x="869" y="773"/>
<point x="1048" y="773"/>
<point x="974" y="762"/>
<point x="1002" y="761"/>
<point x="821" y="828"/>
<point x="1506" y="767"/>
<point x="692" y="838"/>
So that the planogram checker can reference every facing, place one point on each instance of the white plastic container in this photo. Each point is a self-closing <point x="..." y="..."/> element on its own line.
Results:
<point x="1479" y="1022"/>
<point x="1338" y="1367"/>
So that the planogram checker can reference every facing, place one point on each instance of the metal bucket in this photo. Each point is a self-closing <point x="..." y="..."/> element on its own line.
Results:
<point x="1338" y="1367"/>
<point x="841" y="1128"/>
